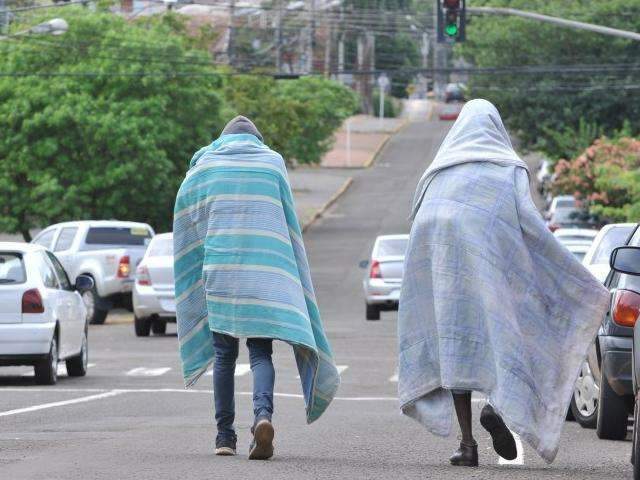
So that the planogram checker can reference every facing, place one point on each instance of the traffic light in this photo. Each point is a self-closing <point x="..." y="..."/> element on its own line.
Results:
<point x="451" y="20"/>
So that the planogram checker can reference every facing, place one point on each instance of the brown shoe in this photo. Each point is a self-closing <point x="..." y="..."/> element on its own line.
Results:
<point x="465" y="456"/>
<point x="262" y="445"/>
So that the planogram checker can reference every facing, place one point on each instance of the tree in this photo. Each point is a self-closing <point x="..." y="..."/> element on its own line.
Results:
<point x="534" y="105"/>
<point x="102" y="121"/>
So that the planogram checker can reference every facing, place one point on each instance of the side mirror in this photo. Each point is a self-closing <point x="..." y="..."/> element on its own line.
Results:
<point x="626" y="260"/>
<point x="84" y="283"/>
<point x="364" y="264"/>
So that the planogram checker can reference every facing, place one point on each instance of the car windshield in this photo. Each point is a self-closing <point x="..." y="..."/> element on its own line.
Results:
<point x="565" y="203"/>
<point x="615" y="237"/>
<point x="579" y="255"/>
<point x="392" y="247"/>
<point x="575" y="239"/>
<point x="11" y="268"/>
<point x="118" y="236"/>
<point x="161" y="247"/>
<point x="566" y="215"/>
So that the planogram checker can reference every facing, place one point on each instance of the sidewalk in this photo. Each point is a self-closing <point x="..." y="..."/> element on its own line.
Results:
<point x="359" y="140"/>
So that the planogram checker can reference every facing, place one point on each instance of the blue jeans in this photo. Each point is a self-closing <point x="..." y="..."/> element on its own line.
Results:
<point x="224" y="366"/>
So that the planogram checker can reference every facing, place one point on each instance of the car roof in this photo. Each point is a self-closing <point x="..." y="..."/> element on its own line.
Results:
<point x="20" y="247"/>
<point x="98" y="223"/>
<point x="578" y="247"/>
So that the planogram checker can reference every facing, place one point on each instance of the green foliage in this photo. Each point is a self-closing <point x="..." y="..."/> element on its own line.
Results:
<point x="569" y="142"/>
<point x="296" y="117"/>
<point x="390" y="109"/>
<point x="535" y="105"/>
<point x="97" y="138"/>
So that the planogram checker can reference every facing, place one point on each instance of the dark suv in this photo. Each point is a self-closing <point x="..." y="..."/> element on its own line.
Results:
<point x="614" y="346"/>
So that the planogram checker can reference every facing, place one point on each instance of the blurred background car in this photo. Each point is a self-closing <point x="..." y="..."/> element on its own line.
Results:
<point x="43" y="319"/>
<point x="454" y="92"/>
<point x="154" y="302"/>
<point x="384" y="278"/>
<point x="449" y="111"/>
<point x="578" y="250"/>
<point x="565" y="212"/>
<point x="575" y="236"/>
<point x="609" y="237"/>
<point x="108" y="251"/>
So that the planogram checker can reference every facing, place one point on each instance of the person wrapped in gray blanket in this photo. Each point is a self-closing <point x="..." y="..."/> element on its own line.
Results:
<point x="490" y="301"/>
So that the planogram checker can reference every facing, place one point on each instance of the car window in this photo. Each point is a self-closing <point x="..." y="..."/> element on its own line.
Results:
<point x="615" y="237"/>
<point x="47" y="273"/>
<point x="45" y="238"/>
<point x="566" y="203"/>
<point x="161" y="247"/>
<point x="118" y="236"/>
<point x="65" y="239"/>
<point x="65" y="284"/>
<point x="11" y="268"/>
<point x="392" y="247"/>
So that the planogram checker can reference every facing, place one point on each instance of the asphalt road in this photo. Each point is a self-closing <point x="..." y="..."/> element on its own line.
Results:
<point x="130" y="417"/>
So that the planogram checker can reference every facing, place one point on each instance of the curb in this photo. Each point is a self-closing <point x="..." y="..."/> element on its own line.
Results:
<point x="375" y="155"/>
<point x="345" y="186"/>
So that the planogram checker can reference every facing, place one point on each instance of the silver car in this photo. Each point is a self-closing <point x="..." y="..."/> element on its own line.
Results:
<point x="384" y="276"/>
<point x="154" y="302"/>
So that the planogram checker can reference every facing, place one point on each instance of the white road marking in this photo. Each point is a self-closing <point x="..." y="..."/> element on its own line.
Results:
<point x="519" y="460"/>
<point x="241" y="370"/>
<point x="147" y="372"/>
<point x="62" y="403"/>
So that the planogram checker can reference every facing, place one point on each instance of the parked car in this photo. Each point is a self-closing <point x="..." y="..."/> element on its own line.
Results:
<point x="384" y="277"/>
<point x="43" y="319"/>
<point x="613" y="349"/>
<point x="578" y="250"/>
<point x="449" y="111"/>
<point x="154" y="302"/>
<point x="454" y="92"/>
<point x="543" y="175"/>
<point x="575" y="236"/>
<point x="108" y="251"/>
<point x="629" y="262"/>
<point x="609" y="237"/>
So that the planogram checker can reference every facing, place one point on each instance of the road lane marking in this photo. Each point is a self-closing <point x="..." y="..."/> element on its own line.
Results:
<point x="241" y="370"/>
<point x="519" y="460"/>
<point x="147" y="372"/>
<point x="62" y="403"/>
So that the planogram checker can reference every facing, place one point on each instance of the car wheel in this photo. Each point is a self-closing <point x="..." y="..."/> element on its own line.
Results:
<point x="612" y="413"/>
<point x="142" y="326"/>
<point x="635" y="450"/>
<point x="373" y="312"/>
<point x="46" y="370"/>
<point x="159" y="326"/>
<point x="77" y="366"/>
<point x="584" y="403"/>
<point x="92" y="301"/>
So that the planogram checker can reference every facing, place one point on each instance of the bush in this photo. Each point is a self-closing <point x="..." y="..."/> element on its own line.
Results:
<point x="390" y="109"/>
<point x="296" y="117"/>
<point x="606" y="176"/>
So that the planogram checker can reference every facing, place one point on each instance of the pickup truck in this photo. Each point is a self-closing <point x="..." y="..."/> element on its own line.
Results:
<point x="106" y="250"/>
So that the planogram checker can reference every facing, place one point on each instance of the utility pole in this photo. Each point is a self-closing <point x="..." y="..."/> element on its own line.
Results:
<point x="311" y="43"/>
<point x="230" y="45"/>
<point x="279" y="37"/>
<point x="327" y="46"/>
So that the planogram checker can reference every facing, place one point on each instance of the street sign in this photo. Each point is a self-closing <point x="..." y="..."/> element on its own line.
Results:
<point x="384" y="83"/>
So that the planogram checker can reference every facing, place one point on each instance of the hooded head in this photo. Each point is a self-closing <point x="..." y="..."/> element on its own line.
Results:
<point x="477" y="136"/>
<point x="241" y="124"/>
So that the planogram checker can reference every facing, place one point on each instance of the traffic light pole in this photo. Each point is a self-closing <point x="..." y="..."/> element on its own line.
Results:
<point x="557" y="21"/>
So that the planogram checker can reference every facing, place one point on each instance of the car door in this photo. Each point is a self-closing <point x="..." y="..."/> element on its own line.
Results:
<point x="75" y="317"/>
<point x="53" y="298"/>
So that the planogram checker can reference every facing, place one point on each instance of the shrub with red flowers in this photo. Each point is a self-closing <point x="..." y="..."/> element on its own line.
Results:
<point x="606" y="177"/>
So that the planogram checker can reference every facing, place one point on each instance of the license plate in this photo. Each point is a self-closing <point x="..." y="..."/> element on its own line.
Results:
<point x="168" y="305"/>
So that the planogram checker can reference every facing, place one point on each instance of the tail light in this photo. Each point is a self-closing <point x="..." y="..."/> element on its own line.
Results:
<point x="626" y="308"/>
<point x="124" y="267"/>
<point x="375" y="271"/>
<point x="142" y="276"/>
<point x="553" y="227"/>
<point x="32" y="302"/>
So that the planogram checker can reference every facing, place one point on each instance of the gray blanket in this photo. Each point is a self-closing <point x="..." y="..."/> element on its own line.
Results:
<point x="490" y="301"/>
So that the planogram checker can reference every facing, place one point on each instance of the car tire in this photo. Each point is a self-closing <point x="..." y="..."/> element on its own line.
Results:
<point x="142" y="326"/>
<point x="635" y="449"/>
<point x="46" y="371"/>
<point x="159" y="326"/>
<point x="96" y="313"/>
<point x="373" y="312"/>
<point x="584" y="402"/>
<point x="612" y="413"/>
<point x="77" y="366"/>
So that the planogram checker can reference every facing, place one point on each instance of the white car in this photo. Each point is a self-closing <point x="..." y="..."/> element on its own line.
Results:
<point x="384" y="278"/>
<point x="575" y="236"/>
<point x="154" y="300"/>
<point x="107" y="250"/>
<point x="42" y="316"/>
<point x="610" y="236"/>
<point x="578" y="250"/>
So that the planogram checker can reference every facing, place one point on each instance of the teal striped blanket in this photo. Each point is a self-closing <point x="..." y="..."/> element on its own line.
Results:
<point x="240" y="264"/>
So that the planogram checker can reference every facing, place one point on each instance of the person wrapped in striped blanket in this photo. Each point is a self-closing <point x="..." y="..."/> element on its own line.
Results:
<point x="241" y="271"/>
